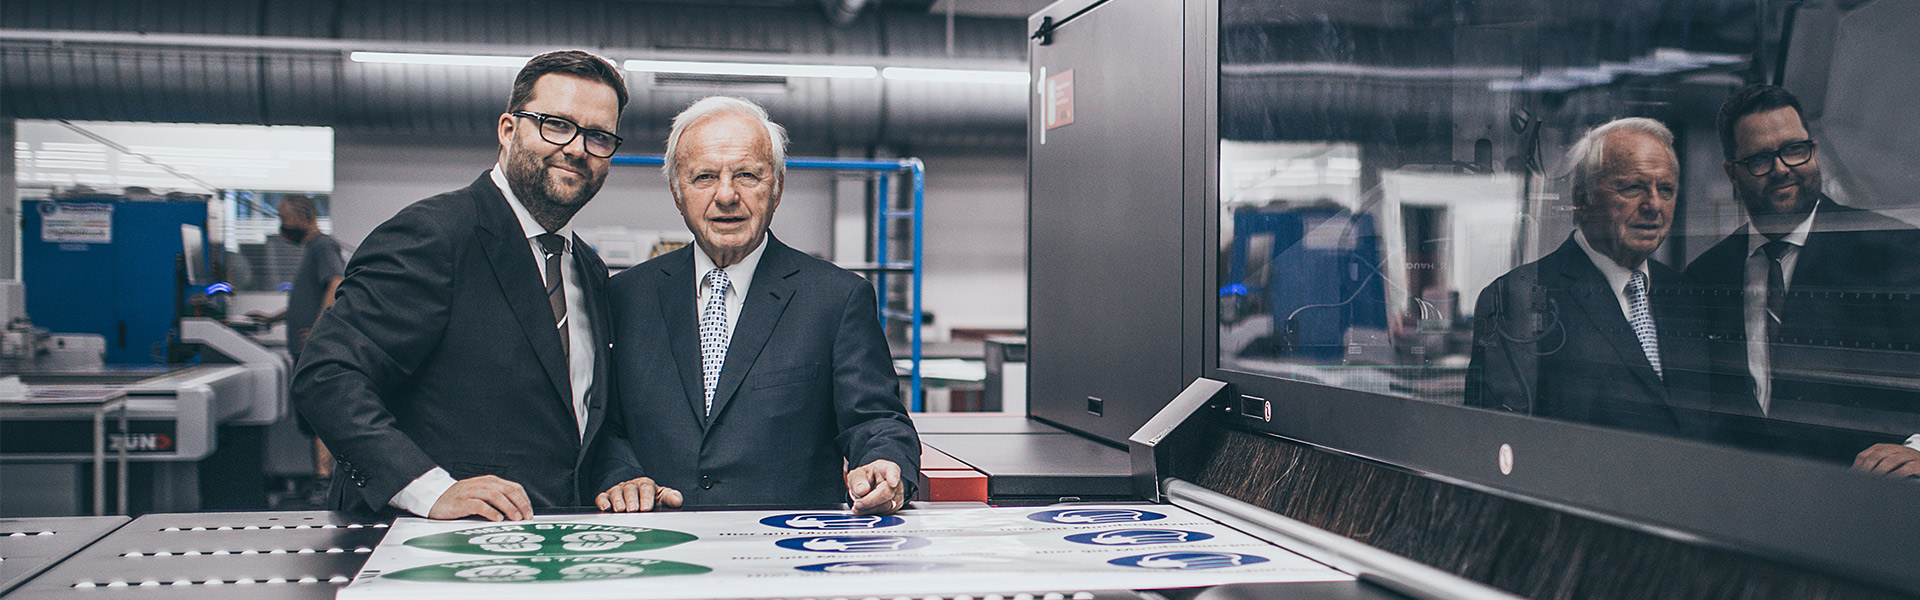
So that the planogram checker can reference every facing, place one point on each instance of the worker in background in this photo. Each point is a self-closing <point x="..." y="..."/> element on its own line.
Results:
<point x="749" y="372"/>
<point x="1811" y="289"/>
<point x="322" y="266"/>
<point x="461" y="370"/>
<point x="1591" y="332"/>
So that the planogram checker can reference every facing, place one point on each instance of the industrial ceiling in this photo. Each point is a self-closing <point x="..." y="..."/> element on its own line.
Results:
<point x="287" y="62"/>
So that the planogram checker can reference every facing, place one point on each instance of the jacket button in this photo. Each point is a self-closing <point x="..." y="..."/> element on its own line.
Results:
<point x="706" y="483"/>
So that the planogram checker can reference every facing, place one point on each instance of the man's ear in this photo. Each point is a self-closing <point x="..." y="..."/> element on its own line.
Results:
<point x="1733" y="176"/>
<point x="505" y="130"/>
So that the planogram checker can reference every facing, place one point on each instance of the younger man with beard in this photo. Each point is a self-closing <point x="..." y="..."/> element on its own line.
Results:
<point x="1812" y="317"/>
<point x="462" y="370"/>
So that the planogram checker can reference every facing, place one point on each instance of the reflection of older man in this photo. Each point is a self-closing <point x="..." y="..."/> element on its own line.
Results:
<point x="1826" y="302"/>
<point x="750" y="373"/>
<point x="1578" y="334"/>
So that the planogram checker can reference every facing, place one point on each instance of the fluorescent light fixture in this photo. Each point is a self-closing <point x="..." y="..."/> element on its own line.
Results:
<point x="955" y="75"/>
<point x="452" y="60"/>
<point x="751" y="69"/>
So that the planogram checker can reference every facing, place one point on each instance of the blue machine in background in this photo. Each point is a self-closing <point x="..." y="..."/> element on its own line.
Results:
<point x="108" y="266"/>
<point x="1315" y="270"/>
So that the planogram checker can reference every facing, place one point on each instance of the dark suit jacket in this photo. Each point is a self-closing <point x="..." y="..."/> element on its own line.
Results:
<point x="807" y="391"/>
<point x="441" y="350"/>
<point x="1550" y="341"/>
<point x="1850" y="312"/>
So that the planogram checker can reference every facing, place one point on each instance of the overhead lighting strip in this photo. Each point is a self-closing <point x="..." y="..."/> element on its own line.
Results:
<point x="1019" y="78"/>
<point x="752" y="69"/>
<point x="450" y="60"/>
<point x="749" y="69"/>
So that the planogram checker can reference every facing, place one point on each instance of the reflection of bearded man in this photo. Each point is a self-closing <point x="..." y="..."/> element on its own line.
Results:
<point x="531" y="181"/>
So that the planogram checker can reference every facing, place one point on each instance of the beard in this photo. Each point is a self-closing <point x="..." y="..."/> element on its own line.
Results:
<point x="527" y="174"/>
<point x="1806" y="192"/>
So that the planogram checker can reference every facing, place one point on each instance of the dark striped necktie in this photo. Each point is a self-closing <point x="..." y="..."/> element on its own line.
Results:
<point x="556" y="247"/>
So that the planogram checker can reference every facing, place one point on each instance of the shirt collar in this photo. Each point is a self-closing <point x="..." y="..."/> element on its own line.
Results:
<point x="1617" y="276"/>
<point x="528" y="227"/>
<point x="1797" y="238"/>
<point x="740" y="274"/>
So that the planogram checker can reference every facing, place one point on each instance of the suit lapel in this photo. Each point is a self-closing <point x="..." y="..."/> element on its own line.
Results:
<point x="767" y="298"/>
<point x="511" y="258"/>
<point x="1827" y="245"/>
<point x="683" y="335"/>
<point x="1600" y="309"/>
<point x="592" y="277"/>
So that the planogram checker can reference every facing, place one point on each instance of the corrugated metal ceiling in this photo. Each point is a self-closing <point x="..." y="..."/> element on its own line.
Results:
<point x="284" y="62"/>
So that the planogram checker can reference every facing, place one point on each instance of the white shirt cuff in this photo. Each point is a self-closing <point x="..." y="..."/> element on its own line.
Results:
<point x="418" y="497"/>
<point x="1913" y="441"/>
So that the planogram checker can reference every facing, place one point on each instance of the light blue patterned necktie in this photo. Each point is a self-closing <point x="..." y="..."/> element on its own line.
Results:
<point x="713" y="332"/>
<point x="1642" y="320"/>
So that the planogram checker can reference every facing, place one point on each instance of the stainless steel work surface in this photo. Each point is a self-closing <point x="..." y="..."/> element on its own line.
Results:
<point x="294" y="555"/>
<point x="30" y="546"/>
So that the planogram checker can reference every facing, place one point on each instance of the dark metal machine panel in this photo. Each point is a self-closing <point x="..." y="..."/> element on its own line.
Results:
<point x="294" y="555"/>
<point x="29" y="546"/>
<point x="1105" y="204"/>
<point x="980" y="423"/>
<point x="1040" y="467"/>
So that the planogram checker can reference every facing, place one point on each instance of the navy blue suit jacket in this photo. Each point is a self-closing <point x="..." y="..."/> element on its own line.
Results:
<point x="807" y="391"/>
<point x="1550" y="341"/>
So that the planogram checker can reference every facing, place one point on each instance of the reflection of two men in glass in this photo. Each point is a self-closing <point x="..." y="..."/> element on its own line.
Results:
<point x="1789" y="335"/>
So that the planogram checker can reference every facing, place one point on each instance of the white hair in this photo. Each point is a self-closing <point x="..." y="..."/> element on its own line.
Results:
<point x="712" y="106"/>
<point x="1589" y="155"/>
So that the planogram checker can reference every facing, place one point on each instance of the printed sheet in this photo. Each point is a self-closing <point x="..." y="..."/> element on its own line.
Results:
<point x="763" y="554"/>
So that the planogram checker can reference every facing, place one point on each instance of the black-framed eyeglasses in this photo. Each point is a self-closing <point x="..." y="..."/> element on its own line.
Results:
<point x="1791" y="155"/>
<point x="560" y="131"/>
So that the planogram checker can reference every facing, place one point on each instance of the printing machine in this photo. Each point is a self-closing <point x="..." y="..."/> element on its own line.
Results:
<point x="274" y="555"/>
<point x="175" y="415"/>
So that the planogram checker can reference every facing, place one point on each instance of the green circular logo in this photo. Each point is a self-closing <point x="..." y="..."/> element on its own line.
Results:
<point x="546" y="568"/>
<point x="551" y="539"/>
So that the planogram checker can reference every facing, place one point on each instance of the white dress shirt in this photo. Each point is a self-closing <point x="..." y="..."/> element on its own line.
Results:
<point x="740" y="275"/>
<point x="1759" y="359"/>
<point x="1617" y="276"/>
<point x="419" y="496"/>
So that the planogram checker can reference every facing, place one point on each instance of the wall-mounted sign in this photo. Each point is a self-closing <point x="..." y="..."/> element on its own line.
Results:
<point x="1059" y="106"/>
<point x="76" y="222"/>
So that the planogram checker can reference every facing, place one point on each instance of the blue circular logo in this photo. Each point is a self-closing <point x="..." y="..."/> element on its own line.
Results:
<point x="851" y="544"/>
<point x="1138" y="537"/>
<point x="1187" y="561"/>
<point x="831" y="521"/>
<point x="875" y="567"/>
<point x="1096" y="516"/>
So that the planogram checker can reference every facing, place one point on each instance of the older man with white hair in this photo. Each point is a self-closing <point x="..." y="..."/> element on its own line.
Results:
<point x="1591" y="332"/>
<point x="749" y="373"/>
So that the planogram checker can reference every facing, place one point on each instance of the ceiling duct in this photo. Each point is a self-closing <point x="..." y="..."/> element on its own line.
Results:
<point x="286" y="62"/>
